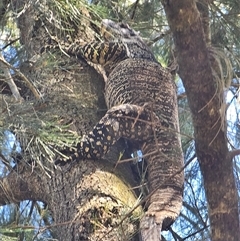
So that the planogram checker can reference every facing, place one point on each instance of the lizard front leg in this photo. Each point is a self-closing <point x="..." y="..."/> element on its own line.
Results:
<point x="131" y="122"/>
<point x="99" y="52"/>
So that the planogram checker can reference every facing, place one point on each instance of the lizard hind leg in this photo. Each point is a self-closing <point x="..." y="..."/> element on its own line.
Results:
<point x="129" y="121"/>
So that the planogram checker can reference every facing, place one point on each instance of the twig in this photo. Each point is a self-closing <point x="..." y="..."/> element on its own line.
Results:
<point x="10" y="43"/>
<point x="24" y="78"/>
<point x="10" y="80"/>
<point x="134" y="9"/>
<point x="234" y="153"/>
<point x="5" y="161"/>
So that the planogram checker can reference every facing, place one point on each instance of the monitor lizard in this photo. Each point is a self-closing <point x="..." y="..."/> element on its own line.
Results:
<point x="142" y="106"/>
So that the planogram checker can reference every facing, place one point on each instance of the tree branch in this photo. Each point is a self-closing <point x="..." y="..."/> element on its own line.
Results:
<point x="134" y="9"/>
<point x="22" y="183"/>
<point x="204" y="11"/>
<point x="11" y="83"/>
<point x="9" y="79"/>
<point x="234" y="153"/>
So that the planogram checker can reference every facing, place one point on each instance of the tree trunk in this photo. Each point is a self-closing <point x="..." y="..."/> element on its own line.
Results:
<point x="89" y="200"/>
<point x="205" y="98"/>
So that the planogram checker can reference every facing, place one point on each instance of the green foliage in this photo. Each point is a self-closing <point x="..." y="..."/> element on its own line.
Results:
<point x="42" y="138"/>
<point x="24" y="221"/>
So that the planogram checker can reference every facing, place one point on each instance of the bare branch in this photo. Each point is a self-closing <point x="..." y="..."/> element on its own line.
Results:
<point x="10" y="43"/>
<point x="11" y="83"/>
<point x="234" y="153"/>
<point x="134" y="9"/>
<point x="9" y="80"/>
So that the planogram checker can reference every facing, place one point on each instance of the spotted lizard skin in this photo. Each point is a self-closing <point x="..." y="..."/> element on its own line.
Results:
<point x="141" y="99"/>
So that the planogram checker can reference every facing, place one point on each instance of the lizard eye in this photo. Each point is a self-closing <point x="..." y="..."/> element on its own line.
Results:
<point x="126" y="30"/>
<point x="123" y="25"/>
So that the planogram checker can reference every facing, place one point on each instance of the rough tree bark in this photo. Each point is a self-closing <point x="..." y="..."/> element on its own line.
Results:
<point x="205" y="98"/>
<point x="88" y="201"/>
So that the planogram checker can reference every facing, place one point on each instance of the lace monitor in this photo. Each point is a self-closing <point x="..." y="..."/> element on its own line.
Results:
<point x="141" y="97"/>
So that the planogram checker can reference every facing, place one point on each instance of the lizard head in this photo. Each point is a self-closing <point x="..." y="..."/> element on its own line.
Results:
<point x="113" y="31"/>
<point x="122" y="33"/>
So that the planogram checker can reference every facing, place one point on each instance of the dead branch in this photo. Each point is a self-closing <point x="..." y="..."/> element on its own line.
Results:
<point x="6" y="66"/>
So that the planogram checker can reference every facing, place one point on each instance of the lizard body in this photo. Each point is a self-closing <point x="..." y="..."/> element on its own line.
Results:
<point x="141" y="97"/>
